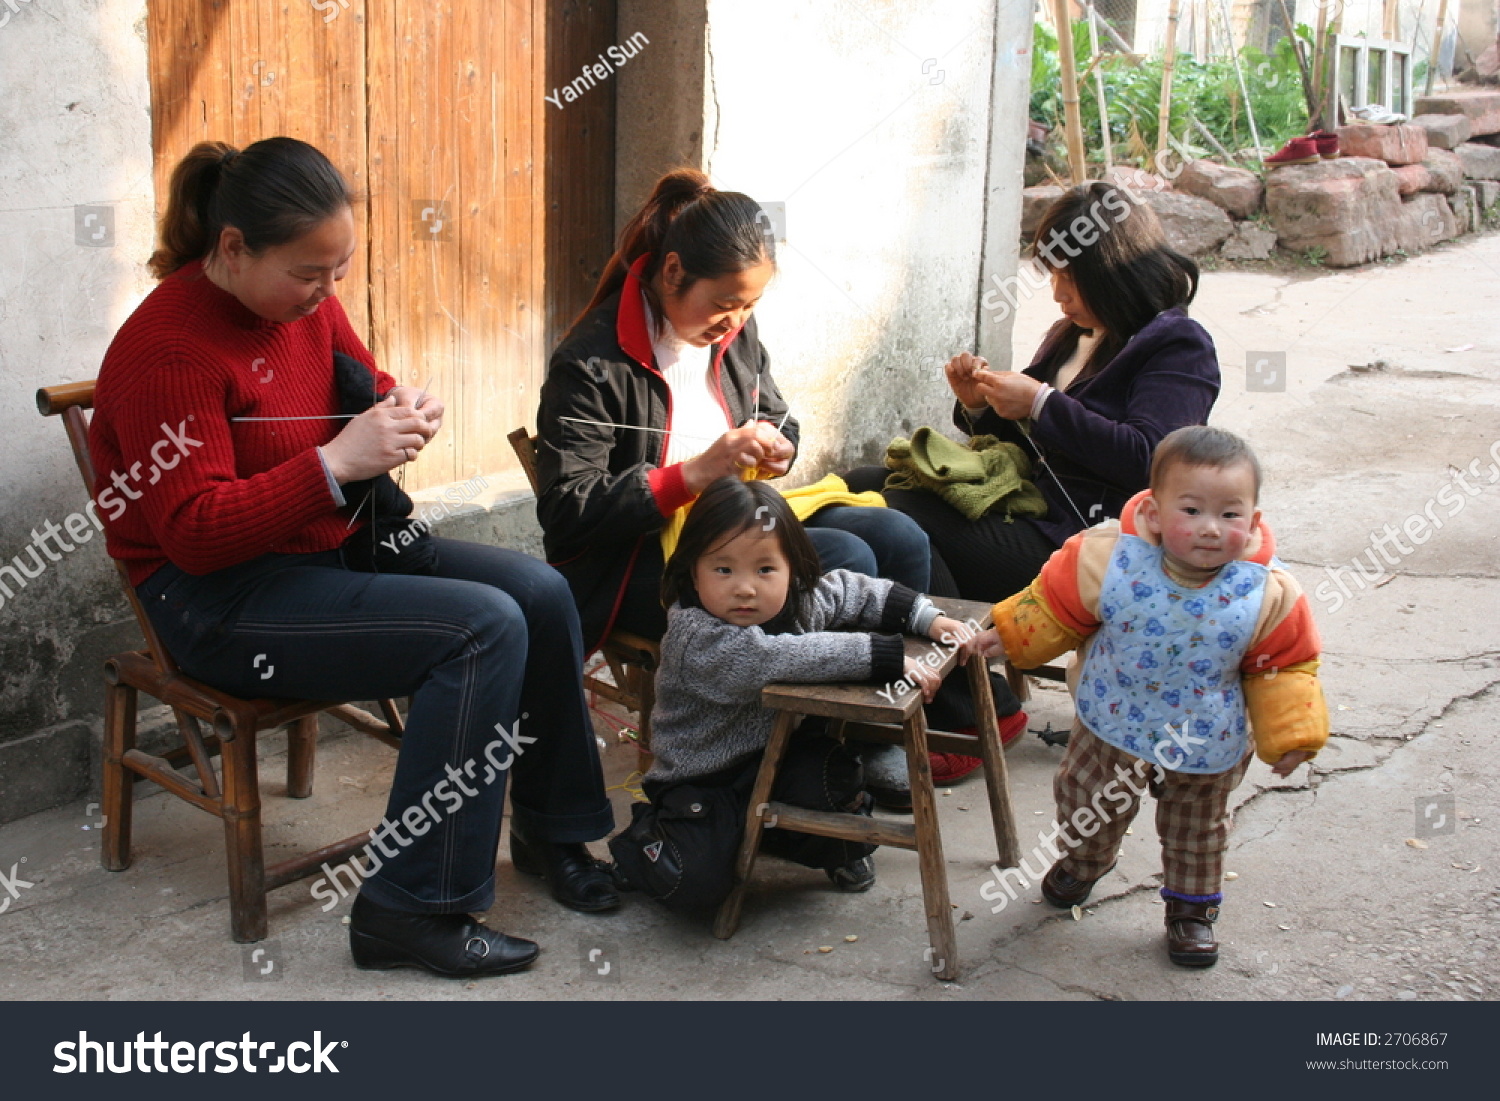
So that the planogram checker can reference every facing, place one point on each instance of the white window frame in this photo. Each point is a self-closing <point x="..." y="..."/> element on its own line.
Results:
<point x="1363" y="47"/>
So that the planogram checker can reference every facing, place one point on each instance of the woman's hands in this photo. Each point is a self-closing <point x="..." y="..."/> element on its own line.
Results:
<point x="961" y="371"/>
<point x="382" y="437"/>
<point x="411" y="398"/>
<point x="1008" y="393"/>
<point x="757" y="445"/>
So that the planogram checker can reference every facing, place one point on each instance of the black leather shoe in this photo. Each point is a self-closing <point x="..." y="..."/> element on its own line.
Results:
<point x="575" y="878"/>
<point x="452" y="945"/>
<point x="1063" y="890"/>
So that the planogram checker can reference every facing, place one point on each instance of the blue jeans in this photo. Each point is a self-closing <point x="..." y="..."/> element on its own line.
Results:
<point x="488" y="647"/>
<point x="877" y="542"/>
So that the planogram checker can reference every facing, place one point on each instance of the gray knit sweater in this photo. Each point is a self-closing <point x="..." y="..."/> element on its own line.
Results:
<point x="708" y="713"/>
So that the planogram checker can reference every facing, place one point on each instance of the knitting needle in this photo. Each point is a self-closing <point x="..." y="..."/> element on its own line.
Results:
<point x="755" y="401"/>
<point x="329" y="417"/>
<point x="636" y="427"/>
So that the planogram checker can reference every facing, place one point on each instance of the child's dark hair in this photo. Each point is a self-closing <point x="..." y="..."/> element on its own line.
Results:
<point x="273" y="192"/>
<point x="714" y="233"/>
<point x="1200" y="445"/>
<point x="726" y="508"/>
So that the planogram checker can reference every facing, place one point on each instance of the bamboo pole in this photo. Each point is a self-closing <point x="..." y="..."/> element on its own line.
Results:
<point x="1239" y="74"/>
<point x="1169" y="61"/>
<point x="1307" y="85"/>
<point x="1072" y="116"/>
<point x="1109" y="159"/>
<point x="1113" y="35"/>
<point x="1229" y="158"/>
<point x="1436" y="57"/>
<point x="1320" y="60"/>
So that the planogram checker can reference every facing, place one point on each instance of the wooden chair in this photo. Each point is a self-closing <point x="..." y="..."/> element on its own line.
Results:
<point x="1016" y="678"/>
<point x="631" y="659"/>
<point x="862" y="714"/>
<point x="233" y="797"/>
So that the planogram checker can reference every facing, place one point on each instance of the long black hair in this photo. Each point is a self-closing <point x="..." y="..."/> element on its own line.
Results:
<point x="1122" y="267"/>
<point x="714" y="233"/>
<point x="273" y="192"/>
<point x="726" y="508"/>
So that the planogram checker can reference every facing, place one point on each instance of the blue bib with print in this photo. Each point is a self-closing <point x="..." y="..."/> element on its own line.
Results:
<point x="1162" y="676"/>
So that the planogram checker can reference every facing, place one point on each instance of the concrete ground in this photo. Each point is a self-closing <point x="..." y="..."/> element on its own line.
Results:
<point x="1343" y="889"/>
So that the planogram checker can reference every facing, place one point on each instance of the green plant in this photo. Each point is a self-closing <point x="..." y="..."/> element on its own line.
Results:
<point x="1207" y="91"/>
<point x="1313" y="257"/>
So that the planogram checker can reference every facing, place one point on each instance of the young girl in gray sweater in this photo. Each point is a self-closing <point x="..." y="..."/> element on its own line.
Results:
<point x="748" y="607"/>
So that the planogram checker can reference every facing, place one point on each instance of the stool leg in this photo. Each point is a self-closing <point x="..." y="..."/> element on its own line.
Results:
<point x="943" y="953"/>
<point x="644" y="686"/>
<point x="1019" y="685"/>
<point x="242" y="840"/>
<point x="119" y="782"/>
<point x="996" y="776"/>
<point x="301" y="756"/>
<point x="728" y="919"/>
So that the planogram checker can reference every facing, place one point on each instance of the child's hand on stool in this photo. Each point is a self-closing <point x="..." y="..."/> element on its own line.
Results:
<point x="986" y="644"/>
<point x="1289" y="762"/>
<point x="924" y="676"/>
<point x="949" y="631"/>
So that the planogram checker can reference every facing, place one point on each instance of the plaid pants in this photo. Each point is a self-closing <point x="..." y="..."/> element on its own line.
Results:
<point x="1192" y="816"/>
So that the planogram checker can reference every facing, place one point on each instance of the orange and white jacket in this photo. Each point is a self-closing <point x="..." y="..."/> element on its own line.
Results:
<point x="1059" y="611"/>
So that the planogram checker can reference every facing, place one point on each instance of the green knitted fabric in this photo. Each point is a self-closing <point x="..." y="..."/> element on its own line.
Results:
<point x="985" y="475"/>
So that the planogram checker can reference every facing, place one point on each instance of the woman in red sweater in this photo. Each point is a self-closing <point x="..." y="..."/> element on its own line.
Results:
<point x="223" y="462"/>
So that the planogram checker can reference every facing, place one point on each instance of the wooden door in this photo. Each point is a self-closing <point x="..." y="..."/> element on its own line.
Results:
<point x="435" y="110"/>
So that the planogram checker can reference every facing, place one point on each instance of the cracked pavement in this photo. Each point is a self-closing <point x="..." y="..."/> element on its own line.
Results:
<point x="1341" y="889"/>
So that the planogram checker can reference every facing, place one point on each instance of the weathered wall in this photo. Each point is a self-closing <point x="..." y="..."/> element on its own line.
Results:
<point x="875" y="131"/>
<point x="75" y="131"/>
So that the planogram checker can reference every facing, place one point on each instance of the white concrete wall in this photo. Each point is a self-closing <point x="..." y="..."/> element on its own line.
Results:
<point x="74" y="115"/>
<point x="873" y="126"/>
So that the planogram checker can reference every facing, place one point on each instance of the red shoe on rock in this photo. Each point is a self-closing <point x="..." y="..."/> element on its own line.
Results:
<point x="1296" y="151"/>
<point x="1327" y="143"/>
<point x="950" y="768"/>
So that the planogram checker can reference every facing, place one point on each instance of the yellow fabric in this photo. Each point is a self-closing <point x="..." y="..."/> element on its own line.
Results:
<point x="804" y="501"/>
<point x="1286" y="710"/>
<point x="1030" y="631"/>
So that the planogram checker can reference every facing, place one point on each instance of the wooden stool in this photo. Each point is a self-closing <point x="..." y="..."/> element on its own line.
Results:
<point x="862" y="714"/>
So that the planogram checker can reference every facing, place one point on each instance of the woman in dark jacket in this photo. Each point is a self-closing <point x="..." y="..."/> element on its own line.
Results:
<point x="1124" y="366"/>
<point x="662" y="387"/>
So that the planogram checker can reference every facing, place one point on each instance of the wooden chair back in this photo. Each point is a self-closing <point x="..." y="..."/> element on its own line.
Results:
<point x="73" y="401"/>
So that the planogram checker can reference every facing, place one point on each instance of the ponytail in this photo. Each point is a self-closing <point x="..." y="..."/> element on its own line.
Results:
<point x="714" y="233"/>
<point x="273" y="192"/>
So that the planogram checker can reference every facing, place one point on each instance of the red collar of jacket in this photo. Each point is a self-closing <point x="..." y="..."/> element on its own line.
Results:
<point x="631" y="329"/>
<point x="1260" y="549"/>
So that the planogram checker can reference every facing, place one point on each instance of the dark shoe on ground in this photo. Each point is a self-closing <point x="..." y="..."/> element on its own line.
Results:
<point x="452" y="945"/>
<point x="575" y="878"/>
<point x="1190" y="933"/>
<point x="1062" y="890"/>
<point x="855" y="877"/>
<point x="896" y="800"/>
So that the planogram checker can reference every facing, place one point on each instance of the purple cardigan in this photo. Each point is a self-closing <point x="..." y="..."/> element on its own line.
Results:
<point x="1098" y="436"/>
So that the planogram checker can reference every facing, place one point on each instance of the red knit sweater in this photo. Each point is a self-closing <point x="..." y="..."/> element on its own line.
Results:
<point x="176" y="479"/>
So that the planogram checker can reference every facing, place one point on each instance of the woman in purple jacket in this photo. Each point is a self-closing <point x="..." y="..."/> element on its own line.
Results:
<point x="1124" y="366"/>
